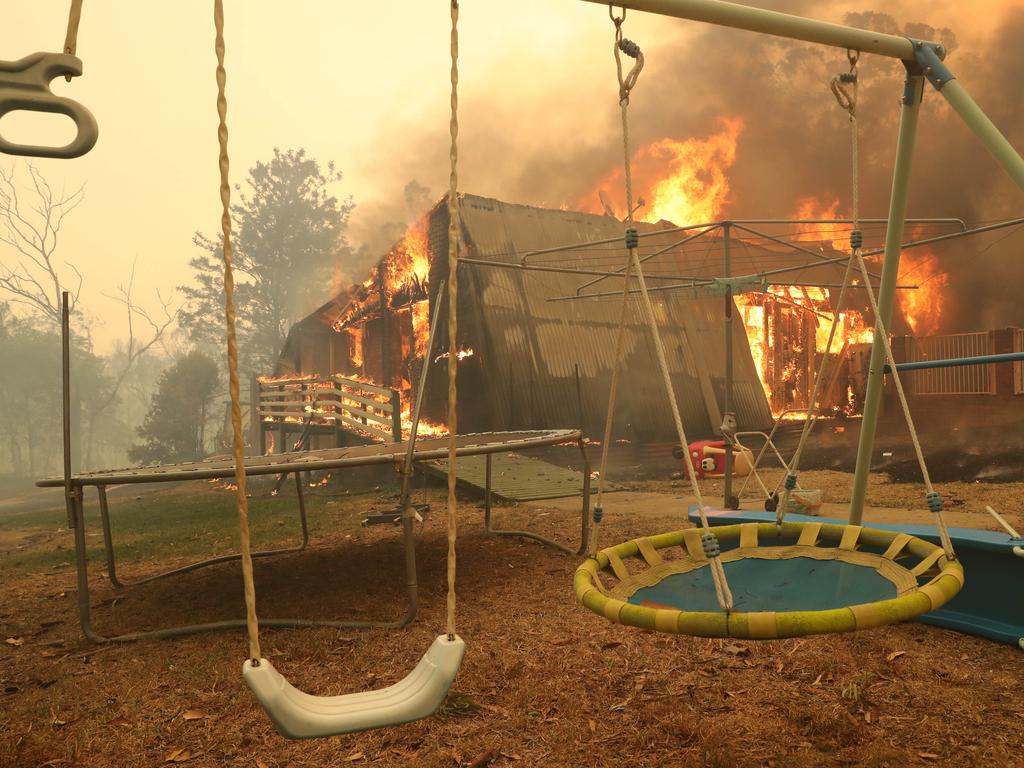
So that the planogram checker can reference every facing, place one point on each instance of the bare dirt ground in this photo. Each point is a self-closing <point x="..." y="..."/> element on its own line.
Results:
<point x="545" y="682"/>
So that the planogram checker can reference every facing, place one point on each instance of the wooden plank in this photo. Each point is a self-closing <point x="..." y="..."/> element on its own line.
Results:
<point x="363" y="385"/>
<point x="384" y="406"/>
<point x="385" y="436"/>
<point x="359" y="413"/>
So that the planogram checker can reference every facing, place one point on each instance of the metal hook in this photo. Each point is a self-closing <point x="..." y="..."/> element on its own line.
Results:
<point x="616" y="19"/>
<point x="25" y="85"/>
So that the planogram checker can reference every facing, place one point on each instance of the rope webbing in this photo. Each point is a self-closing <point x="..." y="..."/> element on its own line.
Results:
<point x="626" y="84"/>
<point x="453" y="296"/>
<point x="251" y="623"/>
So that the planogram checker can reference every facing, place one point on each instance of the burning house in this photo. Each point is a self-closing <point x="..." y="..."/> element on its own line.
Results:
<point x="538" y="316"/>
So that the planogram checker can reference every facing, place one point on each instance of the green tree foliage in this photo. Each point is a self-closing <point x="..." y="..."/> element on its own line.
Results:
<point x="30" y="395"/>
<point x="175" y="427"/>
<point x="288" y="237"/>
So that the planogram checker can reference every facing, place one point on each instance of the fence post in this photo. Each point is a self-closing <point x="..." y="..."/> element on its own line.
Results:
<point x="396" y="416"/>
<point x="1000" y="341"/>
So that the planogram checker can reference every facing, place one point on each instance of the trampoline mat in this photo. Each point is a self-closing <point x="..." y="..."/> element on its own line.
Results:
<point x="795" y="584"/>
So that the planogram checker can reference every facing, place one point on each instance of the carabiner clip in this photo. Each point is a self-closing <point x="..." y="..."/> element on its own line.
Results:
<point x="25" y="85"/>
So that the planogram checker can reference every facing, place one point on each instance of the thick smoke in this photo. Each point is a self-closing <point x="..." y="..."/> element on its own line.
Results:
<point x="548" y="143"/>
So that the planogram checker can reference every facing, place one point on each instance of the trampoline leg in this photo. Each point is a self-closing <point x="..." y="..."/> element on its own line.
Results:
<point x="108" y="542"/>
<point x="585" y="520"/>
<point x="76" y="508"/>
<point x="77" y="516"/>
<point x="528" y="534"/>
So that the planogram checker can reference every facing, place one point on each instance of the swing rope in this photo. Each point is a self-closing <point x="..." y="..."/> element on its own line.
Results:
<point x="71" y="38"/>
<point x="932" y="497"/>
<point x="251" y="623"/>
<point x="626" y="84"/>
<point x="453" y="295"/>
<point x="844" y="87"/>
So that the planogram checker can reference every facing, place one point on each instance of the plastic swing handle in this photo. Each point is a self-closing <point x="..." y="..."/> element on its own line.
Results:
<point x="25" y="85"/>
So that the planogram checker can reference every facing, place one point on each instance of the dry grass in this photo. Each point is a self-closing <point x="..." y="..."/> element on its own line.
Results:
<point x="544" y="683"/>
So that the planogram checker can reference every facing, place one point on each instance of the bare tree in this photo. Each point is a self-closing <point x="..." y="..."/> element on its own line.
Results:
<point x="136" y="346"/>
<point x="31" y="227"/>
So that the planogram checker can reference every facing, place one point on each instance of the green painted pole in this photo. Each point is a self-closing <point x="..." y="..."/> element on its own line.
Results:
<point x="887" y="289"/>
<point x="985" y="130"/>
<point x="957" y="362"/>
<point x="774" y="23"/>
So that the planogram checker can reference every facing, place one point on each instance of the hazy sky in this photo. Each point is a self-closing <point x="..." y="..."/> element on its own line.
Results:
<point x="362" y="84"/>
<point x="341" y="79"/>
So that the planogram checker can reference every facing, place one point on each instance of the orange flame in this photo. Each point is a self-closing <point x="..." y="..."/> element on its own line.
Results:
<point x="355" y="335"/>
<point x="922" y="308"/>
<point x="683" y="182"/>
<point x="837" y="235"/>
<point x="408" y="265"/>
<point x="461" y="355"/>
<point x="421" y="326"/>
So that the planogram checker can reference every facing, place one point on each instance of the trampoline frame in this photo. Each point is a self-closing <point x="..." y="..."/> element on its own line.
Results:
<point x="295" y="463"/>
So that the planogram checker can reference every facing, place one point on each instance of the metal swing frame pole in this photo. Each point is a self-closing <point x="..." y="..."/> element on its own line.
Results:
<point x="909" y="113"/>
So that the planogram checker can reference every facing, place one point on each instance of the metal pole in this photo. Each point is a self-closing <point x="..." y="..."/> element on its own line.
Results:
<point x="65" y="351"/>
<point x="956" y="362"/>
<point x="778" y="24"/>
<point x="984" y="129"/>
<point x="727" y="427"/>
<point x="887" y="289"/>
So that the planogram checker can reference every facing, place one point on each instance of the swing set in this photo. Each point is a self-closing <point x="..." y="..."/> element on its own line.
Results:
<point x="871" y="577"/>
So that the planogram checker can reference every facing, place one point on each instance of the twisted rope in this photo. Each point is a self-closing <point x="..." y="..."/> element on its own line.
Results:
<point x="251" y="623"/>
<point x="932" y="496"/>
<point x="844" y="88"/>
<point x="71" y="37"/>
<point x="453" y="295"/>
<point x="626" y="84"/>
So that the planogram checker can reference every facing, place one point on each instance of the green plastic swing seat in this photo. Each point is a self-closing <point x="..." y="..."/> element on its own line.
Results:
<point x="298" y="715"/>
<point x="787" y="581"/>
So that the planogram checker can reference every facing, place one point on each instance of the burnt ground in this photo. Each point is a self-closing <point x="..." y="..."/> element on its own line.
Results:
<point x="544" y="683"/>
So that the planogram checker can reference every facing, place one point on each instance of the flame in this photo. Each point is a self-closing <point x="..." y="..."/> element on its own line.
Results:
<point x="461" y="355"/>
<point x="922" y="308"/>
<point x="408" y="264"/>
<point x="421" y="326"/>
<point x="775" y="358"/>
<point x="837" y="235"/>
<point x="355" y="336"/>
<point x="286" y="378"/>
<point x="683" y="182"/>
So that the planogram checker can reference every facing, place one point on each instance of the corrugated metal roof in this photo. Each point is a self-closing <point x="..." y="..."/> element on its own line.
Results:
<point x="529" y="347"/>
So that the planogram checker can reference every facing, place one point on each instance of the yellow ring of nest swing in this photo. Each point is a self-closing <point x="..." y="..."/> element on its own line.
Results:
<point x="858" y="561"/>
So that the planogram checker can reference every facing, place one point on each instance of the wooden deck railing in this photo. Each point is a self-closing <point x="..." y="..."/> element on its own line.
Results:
<point x="357" y="406"/>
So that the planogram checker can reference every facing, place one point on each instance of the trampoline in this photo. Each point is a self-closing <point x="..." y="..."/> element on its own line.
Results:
<point x="294" y="463"/>
<point x="787" y="581"/>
